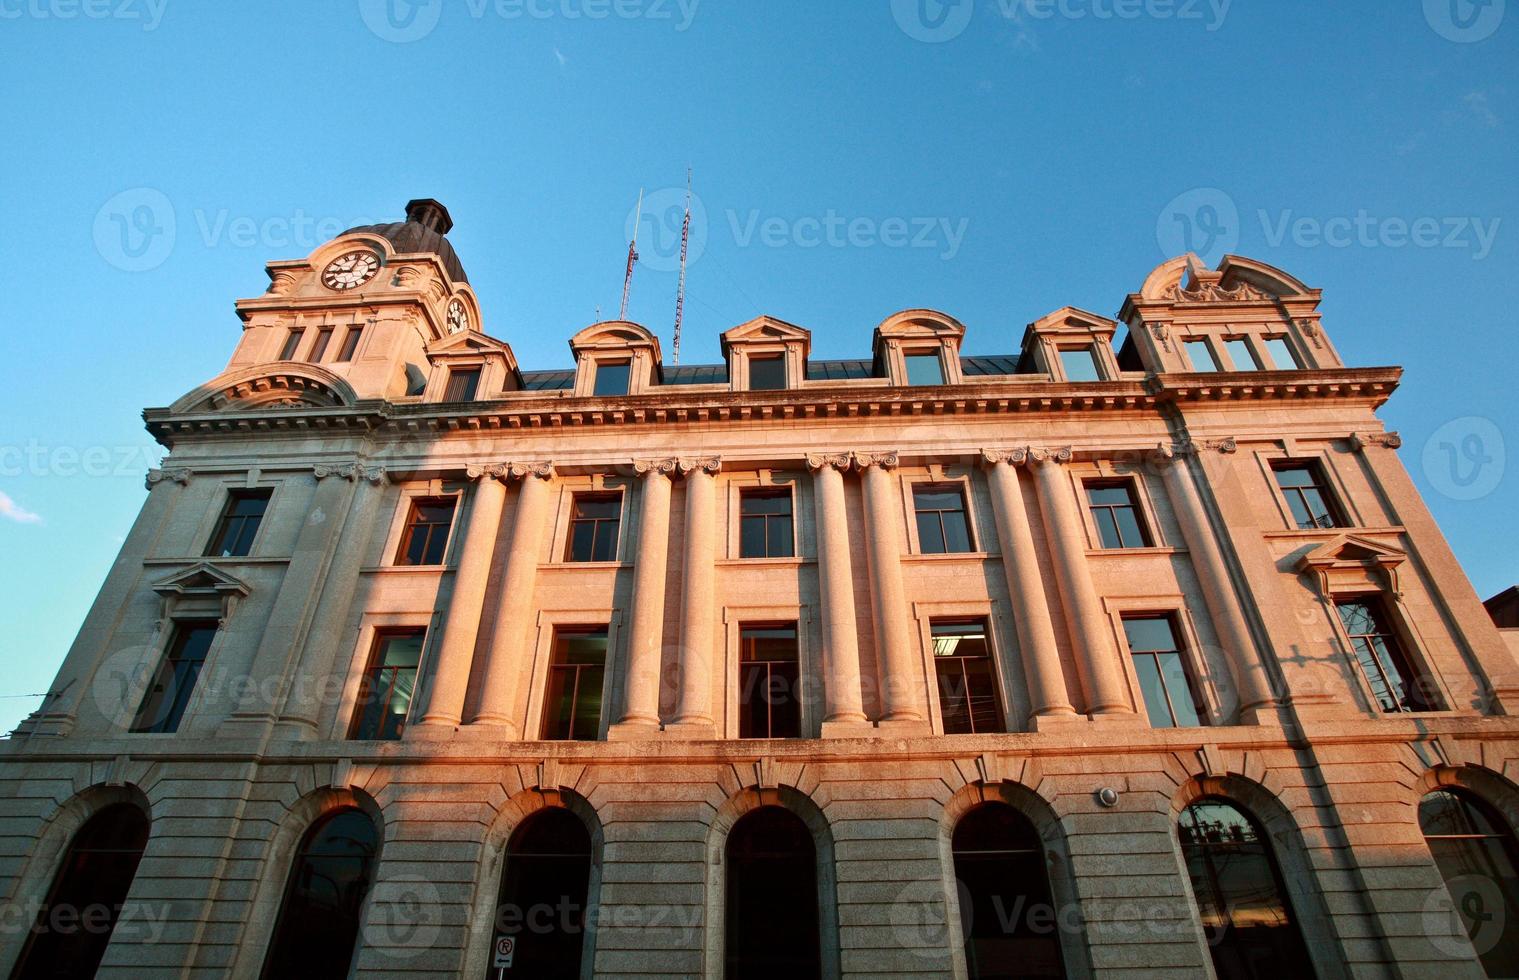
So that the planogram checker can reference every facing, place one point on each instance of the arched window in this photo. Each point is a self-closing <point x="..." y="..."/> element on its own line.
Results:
<point x="1241" y="898"/>
<point x="74" y="927"/>
<point x="1475" y="851"/>
<point x="772" y="898"/>
<point x="542" y="904"/>
<point x="319" y="918"/>
<point x="1006" y="913"/>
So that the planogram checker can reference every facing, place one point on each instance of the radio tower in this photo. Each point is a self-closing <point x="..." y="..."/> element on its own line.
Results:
<point x="680" y="290"/>
<point x="627" y="279"/>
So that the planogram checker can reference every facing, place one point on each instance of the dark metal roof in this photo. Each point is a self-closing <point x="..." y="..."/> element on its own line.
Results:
<point x="706" y="374"/>
<point x="837" y="370"/>
<point x="697" y="374"/>
<point x="973" y="367"/>
<point x="426" y="223"/>
<point x="548" y="380"/>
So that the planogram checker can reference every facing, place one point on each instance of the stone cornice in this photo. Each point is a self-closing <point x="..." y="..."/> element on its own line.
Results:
<point x="671" y="406"/>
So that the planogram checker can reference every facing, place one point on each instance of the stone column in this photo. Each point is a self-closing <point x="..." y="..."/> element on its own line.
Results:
<point x="461" y="627"/>
<point x="510" y="653"/>
<point x="1048" y="697"/>
<point x="1244" y="659"/>
<point x="301" y="714"/>
<point x="901" y="692"/>
<point x="294" y="607"/>
<point x="698" y="596"/>
<point x="640" y="716"/>
<point x="1101" y="678"/>
<point x="92" y="647"/>
<point x="845" y="710"/>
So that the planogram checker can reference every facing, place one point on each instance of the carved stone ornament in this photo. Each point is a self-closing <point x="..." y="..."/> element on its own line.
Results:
<point x="1061" y="454"/>
<point x="1387" y="440"/>
<point x="348" y="471"/>
<point x="1311" y="330"/>
<point x="706" y="464"/>
<point x="1162" y="334"/>
<point x="543" y="471"/>
<point x="1214" y="292"/>
<point x="1197" y="447"/>
<point x="664" y="467"/>
<point x="839" y="461"/>
<point x="885" y="460"/>
<point x="178" y="474"/>
<point x="493" y="471"/>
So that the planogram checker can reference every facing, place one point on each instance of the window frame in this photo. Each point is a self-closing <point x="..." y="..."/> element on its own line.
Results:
<point x="740" y="704"/>
<point x="942" y="483"/>
<point x="993" y="667"/>
<point x="553" y="632"/>
<point x="409" y="504"/>
<point x="291" y="348"/>
<point x="768" y="491"/>
<point x="767" y="357"/>
<point x="1090" y="350"/>
<point x="455" y="375"/>
<point x="348" y="350"/>
<point x="380" y="636"/>
<point x="1187" y="344"/>
<point x="1186" y="656"/>
<point x="1267" y="340"/>
<point x="601" y="363"/>
<point x="566" y="552"/>
<point x="909" y="354"/>
<point x="224" y="516"/>
<point x="1319" y="472"/>
<point x="1436" y="698"/>
<point x="1227" y="349"/>
<point x="1143" y="513"/>
<point x="164" y="659"/>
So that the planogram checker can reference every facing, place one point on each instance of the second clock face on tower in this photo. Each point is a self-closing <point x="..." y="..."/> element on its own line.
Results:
<point x="351" y="269"/>
<point x="458" y="317"/>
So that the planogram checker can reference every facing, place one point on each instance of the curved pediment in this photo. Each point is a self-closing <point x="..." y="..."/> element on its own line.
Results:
<point x="613" y="333"/>
<point x="920" y="323"/>
<point x="285" y="384"/>
<point x="1237" y="279"/>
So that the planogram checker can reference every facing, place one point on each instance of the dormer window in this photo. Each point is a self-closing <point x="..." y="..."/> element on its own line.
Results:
<point x="767" y="373"/>
<point x="924" y="368"/>
<point x="1080" y="364"/>
<point x="612" y="378"/>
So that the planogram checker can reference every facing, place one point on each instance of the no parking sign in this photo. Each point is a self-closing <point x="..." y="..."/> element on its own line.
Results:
<point x="506" y="948"/>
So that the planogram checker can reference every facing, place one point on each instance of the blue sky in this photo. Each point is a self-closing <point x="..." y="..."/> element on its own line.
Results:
<point x="996" y="159"/>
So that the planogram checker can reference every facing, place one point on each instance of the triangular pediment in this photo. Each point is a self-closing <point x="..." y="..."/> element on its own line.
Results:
<point x="766" y="328"/>
<point x="1076" y="319"/>
<point x="468" y="342"/>
<point x="1353" y="550"/>
<point x="203" y="579"/>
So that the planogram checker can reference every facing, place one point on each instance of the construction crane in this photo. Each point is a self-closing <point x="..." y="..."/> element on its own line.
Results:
<point x="627" y="279"/>
<point x="680" y="290"/>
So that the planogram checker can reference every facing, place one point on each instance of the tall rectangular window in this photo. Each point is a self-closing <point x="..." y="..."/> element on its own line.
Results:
<point x="572" y="710"/>
<point x="292" y="341"/>
<point x="967" y="684"/>
<point x="924" y="369"/>
<point x="1116" y="514"/>
<point x="1241" y="354"/>
<point x="943" y="527"/>
<point x="350" y="343"/>
<point x="612" y="377"/>
<point x="1395" y="686"/>
<point x="769" y="674"/>
<point x="1170" y="696"/>
<point x="386" y="687"/>
<point x="164" y="704"/>
<point x="462" y="383"/>
<point x="1200" y="353"/>
<point x="1280" y="352"/>
<point x="427" y="526"/>
<point x="1080" y="364"/>
<point x="238" y="526"/>
<point x="767" y="373"/>
<point x="319" y="347"/>
<point x="595" y="519"/>
<point x="765" y="527"/>
<point x="1307" y="496"/>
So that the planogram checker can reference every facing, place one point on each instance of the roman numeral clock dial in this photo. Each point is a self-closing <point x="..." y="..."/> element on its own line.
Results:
<point x="350" y="270"/>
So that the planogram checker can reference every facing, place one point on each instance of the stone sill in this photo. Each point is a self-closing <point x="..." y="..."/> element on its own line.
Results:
<point x="1133" y="552"/>
<point x="1329" y="533"/>
<point x="765" y="562"/>
<point x="406" y="569"/>
<point x="951" y="556"/>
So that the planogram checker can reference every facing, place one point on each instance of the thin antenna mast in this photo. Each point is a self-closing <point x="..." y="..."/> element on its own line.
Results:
<point x="627" y="279"/>
<point x="680" y="291"/>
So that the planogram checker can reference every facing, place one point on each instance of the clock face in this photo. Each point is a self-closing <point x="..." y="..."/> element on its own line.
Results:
<point x="458" y="317"/>
<point x="350" y="270"/>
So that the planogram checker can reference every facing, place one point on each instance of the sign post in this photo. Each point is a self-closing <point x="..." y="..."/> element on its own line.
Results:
<point x="505" y="952"/>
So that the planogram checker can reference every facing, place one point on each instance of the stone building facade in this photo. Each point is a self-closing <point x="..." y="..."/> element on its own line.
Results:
<point x="385" y="572"/>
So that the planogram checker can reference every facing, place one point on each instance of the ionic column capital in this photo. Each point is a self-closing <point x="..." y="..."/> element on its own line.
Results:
<point x="1036" y="456"/>
<point x="837" y="461"/>
<point x="1387" y="440"/>
<point x="178" y="474"/>
<point x="887" y="460"/>
<point x="522" y="471"/>
<point x="488" y="471"/>
<point x="1197" y="447"/>
<point x="711" y="465"/>
<point x="656" y="467"/>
